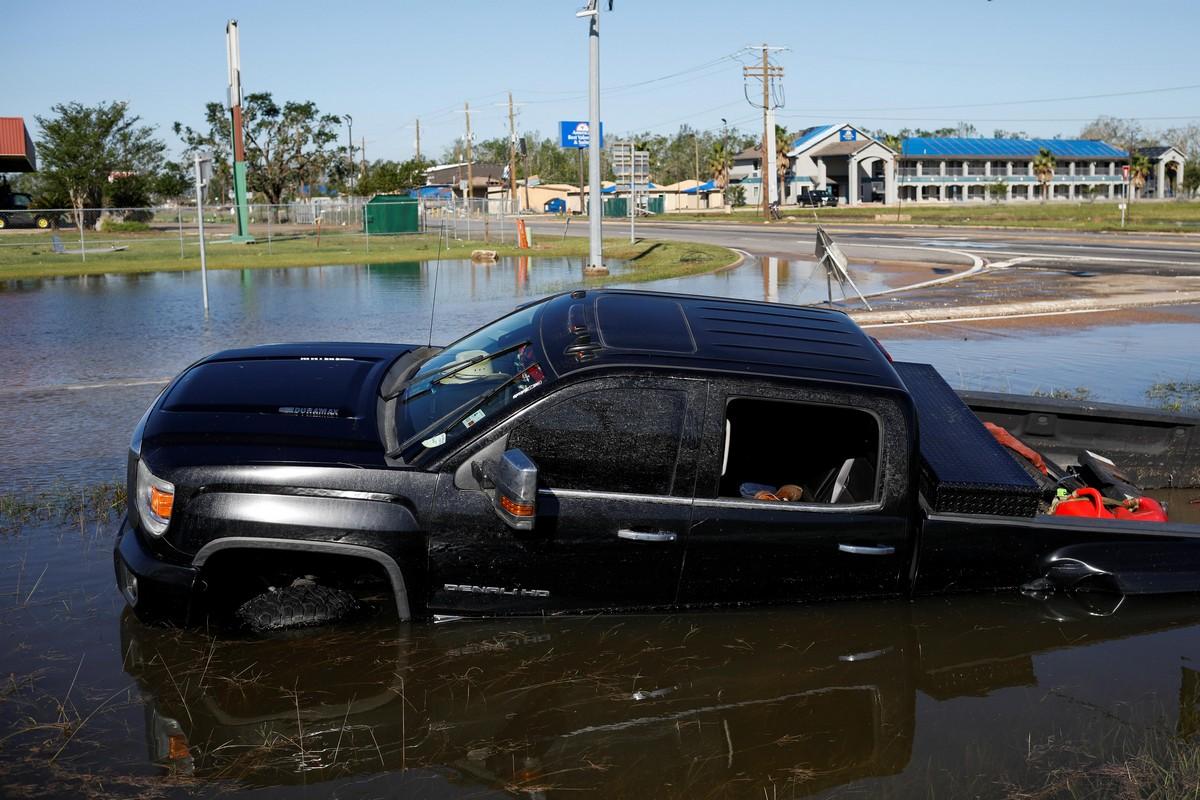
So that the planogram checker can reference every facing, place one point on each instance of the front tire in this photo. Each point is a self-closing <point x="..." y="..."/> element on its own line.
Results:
<point x="301" y="605"/>
<point x="3" y="222"/>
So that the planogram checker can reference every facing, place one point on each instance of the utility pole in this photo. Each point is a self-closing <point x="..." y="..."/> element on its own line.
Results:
<point x="512" y="157"/>
<point x="363" y="148"/>
<point x="233" y="53"/>
<point x="765" y="73"/>
<point x="696" y="142"/>
<point x="418" y="138"/>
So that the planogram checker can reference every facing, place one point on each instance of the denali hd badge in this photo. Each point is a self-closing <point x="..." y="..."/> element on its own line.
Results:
<point x="462" y="587"/>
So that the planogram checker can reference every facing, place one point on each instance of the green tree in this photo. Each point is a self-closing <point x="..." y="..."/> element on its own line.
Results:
<point x="81" y="146"/>
<point x="286" y="145"/>
<point x="1139" y="170"/>
<point x="998" y="190"/>
<point x="1191" y="176"/>
<point x="1043" y="170"/>
<point x="384" y="177"/>
<point x="173" y="181"/>
<point x="736" y="195"/>
<point x="719" y="162"/>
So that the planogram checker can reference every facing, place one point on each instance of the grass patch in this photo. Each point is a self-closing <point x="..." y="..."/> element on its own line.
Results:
<point x="59" y="504"/>
<point x="1175" y="396"/>
<point x="1174" y="217"/>
<point x="27" y="256"/>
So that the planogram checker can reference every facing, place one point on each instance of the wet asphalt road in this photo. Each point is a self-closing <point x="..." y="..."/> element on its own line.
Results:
<point x="1151" y="254"/>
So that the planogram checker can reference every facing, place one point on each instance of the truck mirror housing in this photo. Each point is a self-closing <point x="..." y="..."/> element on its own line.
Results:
<point x="515" y="497"/>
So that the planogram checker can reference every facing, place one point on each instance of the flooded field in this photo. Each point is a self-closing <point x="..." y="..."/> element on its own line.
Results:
<point x="992" y="696"/>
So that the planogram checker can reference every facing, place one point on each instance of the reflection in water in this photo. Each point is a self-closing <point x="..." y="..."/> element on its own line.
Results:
<point x="717" y="705"/>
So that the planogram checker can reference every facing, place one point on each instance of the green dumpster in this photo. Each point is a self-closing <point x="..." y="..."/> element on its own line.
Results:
<point x="616" y="207"/>
<point x="391" y="213"/>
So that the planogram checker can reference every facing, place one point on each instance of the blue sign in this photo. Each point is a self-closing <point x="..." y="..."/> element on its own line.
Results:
<point x="847" y="135"/>
<point x="577" y="134"/>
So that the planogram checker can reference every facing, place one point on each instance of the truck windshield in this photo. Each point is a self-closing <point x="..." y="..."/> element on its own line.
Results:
<point x="468" y="382"/>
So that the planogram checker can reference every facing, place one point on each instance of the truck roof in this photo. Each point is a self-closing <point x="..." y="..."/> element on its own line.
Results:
<point x="614" y="326"/>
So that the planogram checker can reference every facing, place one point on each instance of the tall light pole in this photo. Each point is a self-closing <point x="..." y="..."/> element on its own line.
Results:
<point x="350" y="148"/>
<point x="595" y="265"/>
<point x="233" y="54"/>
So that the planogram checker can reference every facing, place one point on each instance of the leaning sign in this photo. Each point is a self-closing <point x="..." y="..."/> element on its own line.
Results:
<point x="577" y="135"/>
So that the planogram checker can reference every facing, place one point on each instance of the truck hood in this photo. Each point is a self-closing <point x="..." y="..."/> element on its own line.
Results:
<point x="298" y="403"/>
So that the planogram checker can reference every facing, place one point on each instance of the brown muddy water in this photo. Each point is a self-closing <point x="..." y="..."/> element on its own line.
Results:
<point x="993" y="696"/>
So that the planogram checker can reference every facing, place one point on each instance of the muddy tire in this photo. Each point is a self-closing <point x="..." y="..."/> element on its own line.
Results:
<point x="303" y="605"/>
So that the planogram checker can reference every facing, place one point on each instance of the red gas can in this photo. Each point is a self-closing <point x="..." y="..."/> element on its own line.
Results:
<point x="1145" y="509"/>
<point x="1086" y="502"/>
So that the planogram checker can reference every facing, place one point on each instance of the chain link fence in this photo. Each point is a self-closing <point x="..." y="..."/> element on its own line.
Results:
<point x="166" y="231"/>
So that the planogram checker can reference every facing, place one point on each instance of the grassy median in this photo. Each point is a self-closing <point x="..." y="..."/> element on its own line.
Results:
<point x="29" y="255"/>
<point x="1163" y="217"/>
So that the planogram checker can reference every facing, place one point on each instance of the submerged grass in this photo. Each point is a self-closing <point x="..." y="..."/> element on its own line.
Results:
<point x="25" y="256"/>
<point x="60" y="504"/>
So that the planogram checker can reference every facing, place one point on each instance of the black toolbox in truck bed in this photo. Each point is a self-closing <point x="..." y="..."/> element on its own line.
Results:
<point x="963" y="468"/>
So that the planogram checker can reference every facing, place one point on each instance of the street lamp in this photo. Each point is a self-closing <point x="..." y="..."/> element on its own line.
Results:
<point x="203" y="175"/>
<point x="595" y="264"/>
<point x="350" y="146"/>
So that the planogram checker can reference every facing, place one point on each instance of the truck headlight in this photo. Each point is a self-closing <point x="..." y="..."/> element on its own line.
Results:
<point x="155" y="497"/>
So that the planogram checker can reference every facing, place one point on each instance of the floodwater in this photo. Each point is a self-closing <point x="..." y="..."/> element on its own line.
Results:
<point x="83" y="357"/>
<point x="995" y="696"/>
<point x="991" y="696"/>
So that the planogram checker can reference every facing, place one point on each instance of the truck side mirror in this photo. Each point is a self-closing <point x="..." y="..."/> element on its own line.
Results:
<point x="515" y="495"/>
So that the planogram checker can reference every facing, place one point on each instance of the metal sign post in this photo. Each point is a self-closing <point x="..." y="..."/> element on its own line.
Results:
<point x="633" y="166"/>
<point x="836" y="266"/>
<point x="203" y="174"/>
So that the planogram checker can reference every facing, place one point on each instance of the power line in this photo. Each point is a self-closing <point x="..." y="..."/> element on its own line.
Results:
<point x="1015" y="102"/>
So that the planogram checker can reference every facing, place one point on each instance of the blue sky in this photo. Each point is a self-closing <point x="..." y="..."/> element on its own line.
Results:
<point x="923" y="63"/>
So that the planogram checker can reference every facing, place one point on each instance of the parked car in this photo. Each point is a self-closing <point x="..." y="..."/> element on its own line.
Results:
<point x="603" y="451"/>
<point x="16" y="211"/>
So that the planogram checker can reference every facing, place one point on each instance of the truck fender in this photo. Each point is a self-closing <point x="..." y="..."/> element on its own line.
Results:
<point x="1128" y="568"/>
<point x="390" y="567"/>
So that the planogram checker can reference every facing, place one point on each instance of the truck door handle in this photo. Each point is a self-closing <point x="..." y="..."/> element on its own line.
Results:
<point x="867" y="549"/>
<point x="646" y="536"/>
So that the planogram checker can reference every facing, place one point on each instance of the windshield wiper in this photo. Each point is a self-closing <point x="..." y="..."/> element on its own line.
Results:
<point x="455" y="367"/>
<point x="475" y="403"/>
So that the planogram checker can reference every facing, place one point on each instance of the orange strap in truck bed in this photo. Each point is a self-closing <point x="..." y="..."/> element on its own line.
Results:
<point x="1017" y="446"/>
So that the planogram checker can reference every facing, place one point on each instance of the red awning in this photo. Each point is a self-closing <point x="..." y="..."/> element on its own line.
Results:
<point x="16" y="148"/>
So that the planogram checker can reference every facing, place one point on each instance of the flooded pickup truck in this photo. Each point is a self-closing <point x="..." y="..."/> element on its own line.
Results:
<point x="620" y="450"/>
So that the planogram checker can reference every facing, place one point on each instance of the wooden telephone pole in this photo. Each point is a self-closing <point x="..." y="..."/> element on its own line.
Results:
<point x="765" y="73"/>
<point x="418" y="138"/>
<point x="512" y="157"/>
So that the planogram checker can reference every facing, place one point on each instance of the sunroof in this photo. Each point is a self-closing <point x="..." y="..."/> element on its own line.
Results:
<point x="633" y="322"/>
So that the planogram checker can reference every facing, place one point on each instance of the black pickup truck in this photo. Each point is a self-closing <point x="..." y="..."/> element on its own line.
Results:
<point x="603" y="451"/>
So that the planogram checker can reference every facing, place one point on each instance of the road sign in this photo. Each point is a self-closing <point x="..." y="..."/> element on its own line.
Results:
<point x="1125" y="172"/>
<point x="577" y="135"/>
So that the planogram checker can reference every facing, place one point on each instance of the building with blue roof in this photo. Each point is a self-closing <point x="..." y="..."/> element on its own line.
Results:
<point x="841" y="163"/>
<point x="951" y="168"/>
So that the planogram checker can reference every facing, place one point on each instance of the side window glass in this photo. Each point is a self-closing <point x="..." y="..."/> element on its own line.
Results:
<point x="607" y="440"/>
<point x="784" y="452"/>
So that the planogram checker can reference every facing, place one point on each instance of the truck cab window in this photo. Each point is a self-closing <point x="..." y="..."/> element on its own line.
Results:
<point x="607" y="440"/>
<point x="778" y="451"/>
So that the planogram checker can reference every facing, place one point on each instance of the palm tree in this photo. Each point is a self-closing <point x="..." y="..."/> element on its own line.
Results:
<point x="720" y="160"/>
<point x="1139" y="170"/>
<point x="782" y="145"/>
<point x="1043" y="170"/>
